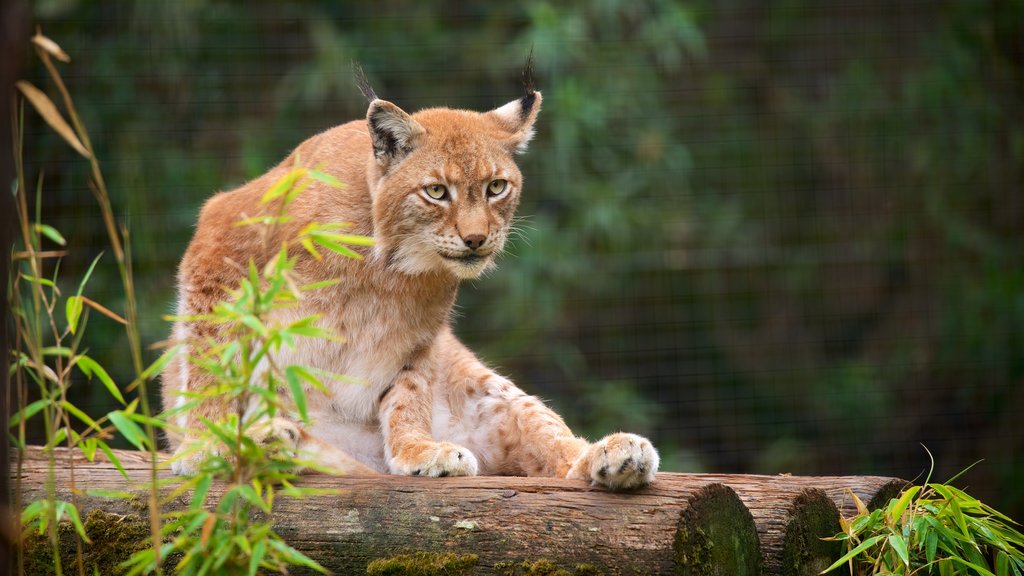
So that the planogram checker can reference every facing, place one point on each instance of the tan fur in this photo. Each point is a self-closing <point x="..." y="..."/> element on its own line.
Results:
<point x="423" y="404"/>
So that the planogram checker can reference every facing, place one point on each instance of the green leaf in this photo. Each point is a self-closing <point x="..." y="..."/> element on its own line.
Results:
<point x="282" y="185"/>
<point x="294" y="377"/>
<point x="113" y="458"/>
<point x="897" y="507"/>
<point x="43" y="281"/>
<point x="293" y="556"/>
<point x="34" y="510"/>
<point x="29" y="411"/>
<point x="88" y="274"/>
<point x="931" y="543"/>
<point x="203" y="484"/>
<point x="79" y="414"/>
<point x="76" y="521"/>
<point x="112" y="494"/>
<point x="862" y="547"/>
<point x="158" y="365"/>
<point x="337" y="248"/>
<point x="51" y="233"/>
<point x="73" y="311"/>
<point x="900" y="546"/>
<point x="325" y="178"/>
<point x="259" y="550"/>
<point x="90" y="367"/>
<point x="129" y="429"/>
<point x="61" y="351"/>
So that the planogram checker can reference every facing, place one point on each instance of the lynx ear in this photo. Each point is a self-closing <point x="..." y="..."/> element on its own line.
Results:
<point x="517" y="117"/>
<point x="395" y="134"/>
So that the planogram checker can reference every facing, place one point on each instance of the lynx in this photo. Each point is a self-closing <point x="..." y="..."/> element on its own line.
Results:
<point x="437" y="191"/>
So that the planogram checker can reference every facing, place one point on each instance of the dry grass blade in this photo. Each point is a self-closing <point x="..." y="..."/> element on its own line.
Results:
<point x="51" y="47"/>
<point x="48" y="110"/>
<point x="103" y="310"/>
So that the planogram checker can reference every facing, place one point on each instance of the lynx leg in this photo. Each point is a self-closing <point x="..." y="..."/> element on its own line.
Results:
<point x="536" y="441"/>
<point x="405" y="416"/>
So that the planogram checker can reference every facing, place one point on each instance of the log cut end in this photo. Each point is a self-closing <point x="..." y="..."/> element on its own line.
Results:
<point x="716" y="535"/>
<point x="813" y="517"/>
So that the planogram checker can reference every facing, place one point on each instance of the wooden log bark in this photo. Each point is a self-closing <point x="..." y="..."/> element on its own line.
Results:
<point x="684" y="524"/>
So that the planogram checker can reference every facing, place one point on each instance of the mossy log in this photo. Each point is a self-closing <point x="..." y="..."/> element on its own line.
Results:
<point x="690" y="524"/>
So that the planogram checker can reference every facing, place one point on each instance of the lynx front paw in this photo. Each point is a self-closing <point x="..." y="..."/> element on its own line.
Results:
<point x="434" y="459"/>
<point x="618" y="461"/>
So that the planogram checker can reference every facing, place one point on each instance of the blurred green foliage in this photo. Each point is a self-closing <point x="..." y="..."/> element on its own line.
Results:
<point x="778" y="237"/>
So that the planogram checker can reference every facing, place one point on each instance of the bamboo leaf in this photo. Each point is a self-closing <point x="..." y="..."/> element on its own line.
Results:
<point x="76" y="521"/>
<point x="72" y="312"/>
<point x="112" y="494"/>
<point x="46" y="108"/>
<point x="29" y="411"/>
<point x="897" y="507"/>
<point x="325" y="178"/>
<point x="129" y="429"/>
<point x="51" y="233"/>
<point x="113" y="458"/>
<point x="91" y="367"/>
<point x="849" y="555"/>
<point x="900" y="546"/>
<point x="79" y="414"/>
<point x="294" y="379"/>
<point x="259" y="550"/>
<point x="44" y="281"/>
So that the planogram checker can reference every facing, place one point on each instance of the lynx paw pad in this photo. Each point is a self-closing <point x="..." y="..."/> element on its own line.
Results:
<point x="622" y="461"/>
<point x="435" y="459"/>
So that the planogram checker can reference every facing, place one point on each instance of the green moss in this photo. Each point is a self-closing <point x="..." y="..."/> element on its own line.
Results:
<point x="114" y="538"/>
<point x="716" y="536"/>
<point x="814" y="516"/>
<point x="543" y="568"/>
<point x="424" y="564"/>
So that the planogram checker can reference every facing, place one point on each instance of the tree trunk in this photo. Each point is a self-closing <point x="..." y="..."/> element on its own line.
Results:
<point x="691" y="524"/>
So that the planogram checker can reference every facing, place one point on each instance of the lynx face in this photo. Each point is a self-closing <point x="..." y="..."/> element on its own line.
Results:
<point x="447" y="185"/>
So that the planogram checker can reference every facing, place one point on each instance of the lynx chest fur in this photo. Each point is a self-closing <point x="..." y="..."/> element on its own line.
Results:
<point x="437" y="191"/>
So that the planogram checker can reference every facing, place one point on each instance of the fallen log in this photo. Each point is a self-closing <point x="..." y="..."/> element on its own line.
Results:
<point x="690" y="524"/>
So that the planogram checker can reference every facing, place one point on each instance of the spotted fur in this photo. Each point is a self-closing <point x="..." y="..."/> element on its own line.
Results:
<point x="417" y="401"/>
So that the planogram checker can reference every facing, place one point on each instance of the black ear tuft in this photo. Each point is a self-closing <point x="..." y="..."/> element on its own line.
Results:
<point x="528" y="86"/>
<point x="530" y="96"/>
<point x="362" y="82"/>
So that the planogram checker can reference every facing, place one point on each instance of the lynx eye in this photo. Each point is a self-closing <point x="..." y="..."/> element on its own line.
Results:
<point x="497" y="187"/>
<point x="436" y="191"/>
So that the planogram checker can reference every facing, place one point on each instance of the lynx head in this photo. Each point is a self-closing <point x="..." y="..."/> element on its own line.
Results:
<point x="445" y="184"/>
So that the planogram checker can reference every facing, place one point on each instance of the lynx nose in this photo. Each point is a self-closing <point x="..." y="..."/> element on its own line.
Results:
<point x="474" y="241"/>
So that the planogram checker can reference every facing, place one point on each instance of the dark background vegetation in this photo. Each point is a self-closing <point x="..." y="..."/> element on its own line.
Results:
<point x="774" y="236"/>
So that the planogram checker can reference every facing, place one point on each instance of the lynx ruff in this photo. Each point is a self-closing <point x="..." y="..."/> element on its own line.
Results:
<point x="437" y="191"/>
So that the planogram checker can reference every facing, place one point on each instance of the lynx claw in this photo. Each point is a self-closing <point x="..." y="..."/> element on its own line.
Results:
<point x="620" y="462"/>
<point x="435" y="459"/>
